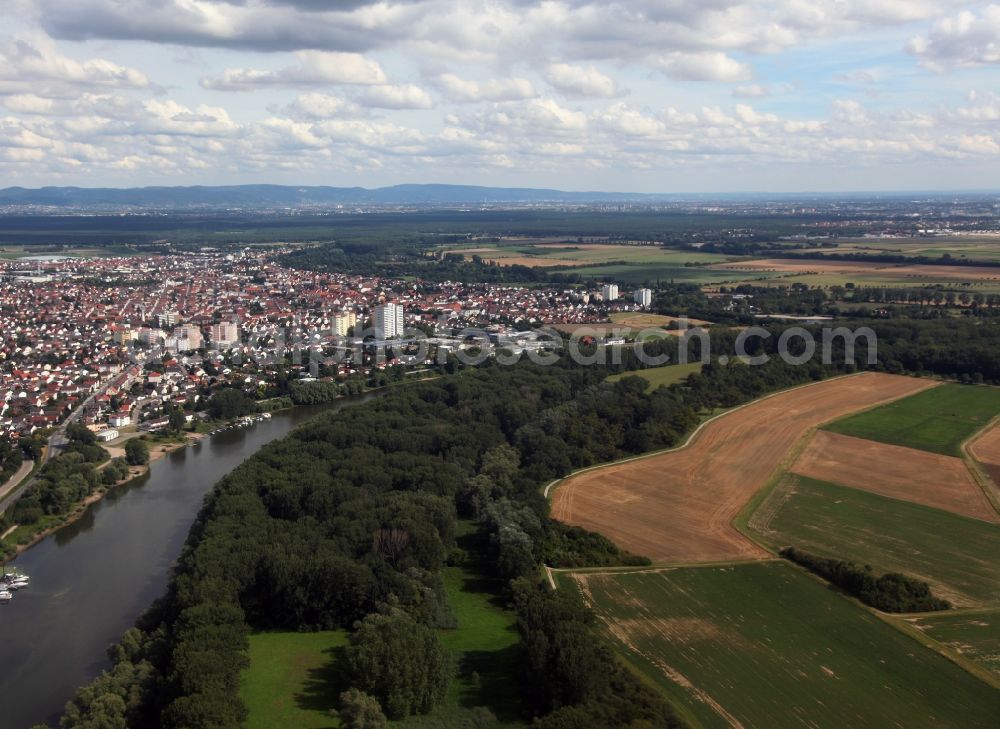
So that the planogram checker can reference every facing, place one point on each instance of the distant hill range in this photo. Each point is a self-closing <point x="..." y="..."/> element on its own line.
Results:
<point x="273" y="196"/>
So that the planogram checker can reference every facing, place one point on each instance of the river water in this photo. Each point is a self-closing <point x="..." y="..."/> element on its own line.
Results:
<point x="91" y="580"/>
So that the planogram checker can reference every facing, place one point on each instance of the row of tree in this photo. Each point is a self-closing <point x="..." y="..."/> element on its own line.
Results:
<point x="890" y="593"/>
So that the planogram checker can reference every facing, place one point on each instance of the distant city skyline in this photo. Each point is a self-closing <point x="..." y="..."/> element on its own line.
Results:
<point x="661" y="96"/>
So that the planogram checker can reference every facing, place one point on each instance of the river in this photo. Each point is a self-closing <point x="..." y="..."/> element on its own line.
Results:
<point x="91" y="580"/>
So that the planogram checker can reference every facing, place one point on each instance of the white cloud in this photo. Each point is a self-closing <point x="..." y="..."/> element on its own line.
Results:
<point x="624" y="119"/>
<point x="581" y="81"/>
<point x="979" y="144"/>
<point x="965" y="39"/>
<point x="317" y="106"/>
<point x="533" y="87"/>
<point x="752" y="91"/>
<point x="850" y="112"/>
<point x="465" y="90"/>
<point x="406" y="96"/>
<point x="712" y="66"/>
<point x="170" y="118"/>
<point x="28" y="104"/>
<point x="27" y="63"/>
<point x="316" y="68"/>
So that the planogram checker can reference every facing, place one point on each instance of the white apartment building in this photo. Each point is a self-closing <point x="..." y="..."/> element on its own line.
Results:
<point x="388" y="321"/>
<point x="610" y="292"/>
<point x="151" y="336"/>
<point x="643" y="297"/>
<point x="343" y="321"/>
<point x="225" y="334"/>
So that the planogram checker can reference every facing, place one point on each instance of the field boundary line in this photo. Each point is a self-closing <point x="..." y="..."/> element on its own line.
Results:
<point x="694" y="433"/>
<point x="901" y="623"/>
<point x="985" y="481"/>
<point x="656" y="567"/>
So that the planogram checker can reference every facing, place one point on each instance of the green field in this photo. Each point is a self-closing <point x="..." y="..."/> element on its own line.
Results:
<point x="486" y="650"/>
<point x="291" y="681"/>
<point x="774" y="648"/>
<point x="938" y="420"/>
<point x="656" y="376"/>
<point x="976" y="635"/>
<point x="958" y="556"/>
<point x="971" y="247"/>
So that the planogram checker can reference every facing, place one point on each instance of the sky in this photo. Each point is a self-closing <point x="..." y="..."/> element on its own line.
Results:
<point x="634" y="95"/>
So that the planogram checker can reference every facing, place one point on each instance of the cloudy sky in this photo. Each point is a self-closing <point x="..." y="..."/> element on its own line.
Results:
<point x="642" y="95"/>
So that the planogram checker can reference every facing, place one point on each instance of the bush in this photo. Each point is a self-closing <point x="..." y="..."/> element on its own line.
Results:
<point x="358" y="710"/>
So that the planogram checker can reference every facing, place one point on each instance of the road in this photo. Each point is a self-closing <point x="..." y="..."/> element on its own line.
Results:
<point x="57" y="443"/>
<point x="13" y="481"/>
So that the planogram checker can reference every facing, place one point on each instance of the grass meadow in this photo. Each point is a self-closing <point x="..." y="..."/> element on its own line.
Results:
<point x="657" y="376"/>
<point x="958" y="556"/>
<point x="486" y="650"/>
<point x="292" y="680"/>
<point x="766" y="645"/>
<point x="938" y="420"/>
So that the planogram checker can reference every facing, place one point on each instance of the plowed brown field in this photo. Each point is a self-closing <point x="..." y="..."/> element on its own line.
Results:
<point x="900" y="473"/>
<point x="677" y="506"/>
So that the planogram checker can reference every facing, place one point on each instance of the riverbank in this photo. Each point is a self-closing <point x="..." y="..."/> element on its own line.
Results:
<point x="156" y="452"/>
<point x="93" y="579"/>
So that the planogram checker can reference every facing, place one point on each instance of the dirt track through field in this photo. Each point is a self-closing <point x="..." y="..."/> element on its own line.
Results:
<point x="900" y="473"/>
<point x="677" y="506"/>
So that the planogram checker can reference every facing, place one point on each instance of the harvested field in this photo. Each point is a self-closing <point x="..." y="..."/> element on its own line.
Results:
<point x="986" y="447"/>
<point x="764" y="645"/>
<point x="677" y="506"/>
<point x="986" y="450"/>
<point x="925" y="478"/>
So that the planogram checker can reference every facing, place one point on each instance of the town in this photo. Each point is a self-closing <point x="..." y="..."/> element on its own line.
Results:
<point x="122" y="341"/>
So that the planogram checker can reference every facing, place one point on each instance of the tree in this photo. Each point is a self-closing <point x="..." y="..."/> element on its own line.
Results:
<point x="358" y="710"/>
<point x="401" y="662"/>
<point x="80" y="434"/>
<point x="136" y="452"/>
<point x="176" y="420"/>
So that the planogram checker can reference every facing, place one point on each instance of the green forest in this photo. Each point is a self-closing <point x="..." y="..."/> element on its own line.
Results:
<point x="349" y="522"/>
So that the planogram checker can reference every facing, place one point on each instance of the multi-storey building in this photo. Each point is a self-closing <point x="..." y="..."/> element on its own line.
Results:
<point x="388" y="321"/>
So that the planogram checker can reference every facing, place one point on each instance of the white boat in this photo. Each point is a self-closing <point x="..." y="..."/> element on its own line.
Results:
<point x="6" y="596"/>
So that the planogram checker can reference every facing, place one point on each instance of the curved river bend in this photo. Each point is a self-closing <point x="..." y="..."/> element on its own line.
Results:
<point x="91" y="580"/>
